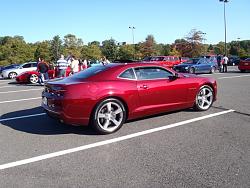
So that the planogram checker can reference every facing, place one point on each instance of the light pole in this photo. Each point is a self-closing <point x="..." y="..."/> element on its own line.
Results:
<point x="133" y="37"/>
<point x="203" y="38"/>
<point x="225" y="24"/>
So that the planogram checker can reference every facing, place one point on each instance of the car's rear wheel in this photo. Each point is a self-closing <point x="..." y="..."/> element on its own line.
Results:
<point x="33" y="78"/>
<point x="204" y="98"/>
<point x="212" y="70"/>
<point x="12" y="75"/>
<point x="109" y="116"/>
<point x="191" y="70"/>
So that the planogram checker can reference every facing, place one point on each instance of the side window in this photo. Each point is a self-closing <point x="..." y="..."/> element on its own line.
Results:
<point x="149" y="73"/>
<point x="27" y="65"/>
<point x="34" y="64"/>
<point x="128" y="74"/>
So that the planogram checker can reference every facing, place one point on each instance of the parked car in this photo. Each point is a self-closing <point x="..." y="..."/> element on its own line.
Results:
<point x="108" y="95"/>
<point x="167" y="61"/>
<point x="13" y="72"/>
<point x="244" y="65"/>
<point x="8" y="67"/>
<point x="233" y="60"/>
<point x="197" y="65"/>
<point x="184" y="59"/>
<point x="32" y="76"/>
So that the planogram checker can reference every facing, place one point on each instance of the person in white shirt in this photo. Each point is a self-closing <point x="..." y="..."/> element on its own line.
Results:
<point x="62" y="65"/>
<point x="224" y="63"/>
<point x="74" y="65"/>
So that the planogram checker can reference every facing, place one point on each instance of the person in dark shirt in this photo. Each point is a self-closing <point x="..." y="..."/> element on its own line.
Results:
<point x="43" y="68"/>
<point x="219" y="63"/>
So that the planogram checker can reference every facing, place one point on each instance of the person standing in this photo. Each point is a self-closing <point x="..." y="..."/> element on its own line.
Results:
<point x="62" y="65"/>
<point x="219" y="62"/>
<point x="74" y="65"/>
<point x="43" y="68"/>
<point x="225" y="62"/>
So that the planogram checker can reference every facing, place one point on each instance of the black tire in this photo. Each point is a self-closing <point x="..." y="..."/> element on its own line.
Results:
<point x="107" y="121"/>
<point x="242" y="70"/>
<point x="12" y="75"/>
<point x="33" y="78"/>
<point x="204" y="98"/>
<point x="212" y="70"/>
<point x="192" y="70"/>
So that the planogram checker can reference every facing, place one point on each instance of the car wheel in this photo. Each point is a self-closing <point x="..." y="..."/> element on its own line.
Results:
<point x="204" y="98"/>
<point x="242" y="70"/>
<point x="33" y="78"/>
<point x="212" y="70"/>
<point x="192" y="70"/>
<point x="109" y="116"/>
<point x="12" y="75"/>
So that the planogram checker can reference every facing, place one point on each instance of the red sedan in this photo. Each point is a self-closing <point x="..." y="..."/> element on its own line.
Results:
<point x="32" y="76"/>
<point x="244" y="65"/>
<point x="105" y="96"/>
<point x="167" y="61"/>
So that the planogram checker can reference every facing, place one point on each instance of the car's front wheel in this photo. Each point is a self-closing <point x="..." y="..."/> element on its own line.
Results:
<point x="109" y="116"/>
<point x="33" y="78"/>
<point x="204" y="98"/>
<point x="12" y="75"/>
<point x="192" y="70"/>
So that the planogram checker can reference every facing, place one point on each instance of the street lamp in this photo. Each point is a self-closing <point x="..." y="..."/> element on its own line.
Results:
<point x="225" y="25"/>
<point x="133" y="37"/>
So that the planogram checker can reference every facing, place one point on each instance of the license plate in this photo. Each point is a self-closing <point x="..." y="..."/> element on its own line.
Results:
<point x="45" y="101"/>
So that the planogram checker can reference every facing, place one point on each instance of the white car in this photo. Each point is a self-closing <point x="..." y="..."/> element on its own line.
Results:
<point x="12" y="73"/>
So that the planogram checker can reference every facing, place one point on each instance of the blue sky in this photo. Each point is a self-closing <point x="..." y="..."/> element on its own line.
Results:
<point x="166" y="20"/>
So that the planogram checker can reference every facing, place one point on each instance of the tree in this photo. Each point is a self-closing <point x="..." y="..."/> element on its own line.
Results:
<point x="149" y="46"/>
<point x="109" y="49"/>
<point x="72" y="45"/>
<point x="56" y="48"/>
<point x="43" y="50"/>
<point x="126" y="52"/>
<point x="91" y="51"/>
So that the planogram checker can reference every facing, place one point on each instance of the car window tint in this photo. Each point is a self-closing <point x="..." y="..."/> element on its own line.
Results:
<point x="149" y="73"/>
<point x="27" y="65"/>
<point x="128" y="74"/>
<point x="86" y="73"/>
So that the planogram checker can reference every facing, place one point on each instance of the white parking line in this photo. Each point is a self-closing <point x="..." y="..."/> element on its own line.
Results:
<point x="233" y="77"/>
<point x="20" y="90"/>
<point x="20" y="100"/>
<point x="105" y="142"/>
<point x="7" y="86"/>
<point x="22" y="117"/>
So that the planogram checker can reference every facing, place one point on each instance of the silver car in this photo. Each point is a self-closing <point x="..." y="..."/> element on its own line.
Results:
<point x="12" y="73"/>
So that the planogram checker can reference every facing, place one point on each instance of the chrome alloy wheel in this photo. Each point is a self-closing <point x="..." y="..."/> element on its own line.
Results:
<point x="33" y="78"/>
<point x="12" y="75"/>
<point x="204" y="98"/>
<point x="110" y="116"/>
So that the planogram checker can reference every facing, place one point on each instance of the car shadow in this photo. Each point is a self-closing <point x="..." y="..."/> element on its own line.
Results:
<point x="41" y="123"/>
<point x="25" y="84"/>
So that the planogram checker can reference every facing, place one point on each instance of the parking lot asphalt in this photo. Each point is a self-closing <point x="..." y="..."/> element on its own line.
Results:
<point x="168" y="150"/>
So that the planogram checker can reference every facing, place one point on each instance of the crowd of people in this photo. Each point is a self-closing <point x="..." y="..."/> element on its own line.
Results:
<point x="61" y="66"/>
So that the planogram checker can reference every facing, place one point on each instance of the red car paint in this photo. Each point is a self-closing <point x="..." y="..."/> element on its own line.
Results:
<point x="167" y="61"/>
<point x="73" y="99"/>
<point x="244" y="65"/>
<point x="27" y="76"/>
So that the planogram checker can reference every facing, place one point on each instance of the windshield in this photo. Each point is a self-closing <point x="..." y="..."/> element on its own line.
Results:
<point x="192" y="61"/>
<point x="90" y="72"/>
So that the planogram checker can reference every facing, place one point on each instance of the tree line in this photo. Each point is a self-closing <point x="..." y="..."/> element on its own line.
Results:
<point x="16" y="50"/>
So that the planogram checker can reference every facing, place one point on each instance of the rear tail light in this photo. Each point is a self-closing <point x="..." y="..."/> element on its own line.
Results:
<point x="55" y="90"/>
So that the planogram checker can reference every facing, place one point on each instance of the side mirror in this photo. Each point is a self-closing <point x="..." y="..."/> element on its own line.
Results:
<point x="173" y="77"/>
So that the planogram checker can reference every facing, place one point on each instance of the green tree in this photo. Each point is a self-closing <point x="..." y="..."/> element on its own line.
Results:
<point x="149" y="46"/>
<point x="56" y="48"/>
<point x="72" y="45"/>
<point x="91" y="51"/>
<point x="126" y="52"/>
<point x="109" y="49"/>
<point x="43" y="50"/>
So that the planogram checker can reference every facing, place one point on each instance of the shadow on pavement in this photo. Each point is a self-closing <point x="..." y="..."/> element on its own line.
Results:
<point x="41" y="124"/>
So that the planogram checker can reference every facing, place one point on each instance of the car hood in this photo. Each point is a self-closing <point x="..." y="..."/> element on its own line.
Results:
<point x="12" y="69"/>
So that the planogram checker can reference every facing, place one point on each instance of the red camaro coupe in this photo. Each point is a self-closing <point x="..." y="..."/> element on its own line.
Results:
<point x="105" y="96"/>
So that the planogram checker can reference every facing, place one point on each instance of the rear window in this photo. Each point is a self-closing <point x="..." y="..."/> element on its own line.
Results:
<point x="90" y="72"/>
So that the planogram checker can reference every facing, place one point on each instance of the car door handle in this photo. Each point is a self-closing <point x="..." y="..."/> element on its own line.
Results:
<point x="144" y="87"/>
